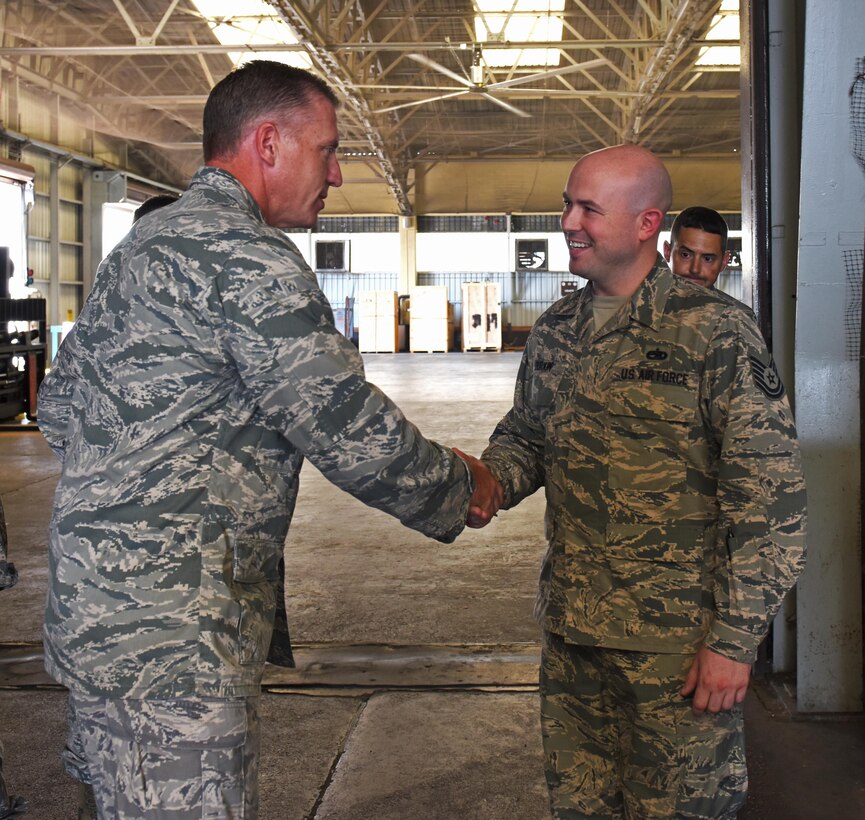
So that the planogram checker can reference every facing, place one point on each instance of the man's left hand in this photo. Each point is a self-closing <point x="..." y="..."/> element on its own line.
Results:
<point x="717" y="682"/>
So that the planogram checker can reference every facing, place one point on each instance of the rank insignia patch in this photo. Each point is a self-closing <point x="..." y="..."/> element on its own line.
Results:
<point x="766" y="377"/>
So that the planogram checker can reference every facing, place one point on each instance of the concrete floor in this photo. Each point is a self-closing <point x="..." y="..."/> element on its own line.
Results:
<point x="416" y="690"/>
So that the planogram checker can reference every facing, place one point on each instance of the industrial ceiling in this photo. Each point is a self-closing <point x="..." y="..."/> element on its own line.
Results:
<point x="442" y="111"/>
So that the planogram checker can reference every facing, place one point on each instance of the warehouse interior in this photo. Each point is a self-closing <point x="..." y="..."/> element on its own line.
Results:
<point x="416" y="688"/>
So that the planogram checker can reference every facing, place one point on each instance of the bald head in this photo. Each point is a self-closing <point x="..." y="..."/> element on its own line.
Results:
<point x="642" y="177"/>
<point x="614" y="207"/>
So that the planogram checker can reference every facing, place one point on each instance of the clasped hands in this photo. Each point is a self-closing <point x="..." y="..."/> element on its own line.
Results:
<point x="487" y="496"/>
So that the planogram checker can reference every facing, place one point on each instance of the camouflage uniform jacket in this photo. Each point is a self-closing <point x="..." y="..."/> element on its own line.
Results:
<point x="204" y="366"/>
<point x="675" y="495"/>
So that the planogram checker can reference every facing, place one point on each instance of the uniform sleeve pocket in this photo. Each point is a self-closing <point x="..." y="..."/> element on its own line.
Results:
<point x="745" y="579"/>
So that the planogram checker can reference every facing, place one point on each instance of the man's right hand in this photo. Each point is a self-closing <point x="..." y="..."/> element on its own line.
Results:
<point x="488" y="494"/>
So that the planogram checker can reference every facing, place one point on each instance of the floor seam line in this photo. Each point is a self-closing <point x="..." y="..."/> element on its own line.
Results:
<point x="323" y="789"/>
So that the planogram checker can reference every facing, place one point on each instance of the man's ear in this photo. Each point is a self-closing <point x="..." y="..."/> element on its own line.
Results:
<point x="266" y="139"/>
<point x="668" y="250"/>
<point x="726" y="260"/>
<point x="651" y="221"/>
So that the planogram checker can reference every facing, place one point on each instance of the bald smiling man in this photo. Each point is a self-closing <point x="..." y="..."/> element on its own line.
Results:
<point x="648" y="408"/>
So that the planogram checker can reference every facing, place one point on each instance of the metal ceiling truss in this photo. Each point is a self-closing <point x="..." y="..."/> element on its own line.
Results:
<point x="334" y="16"/>
<point x="417" y="86"/>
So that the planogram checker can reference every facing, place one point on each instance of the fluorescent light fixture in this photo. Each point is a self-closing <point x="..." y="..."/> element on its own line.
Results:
<point x="256" y="24"/>
<point x="725" y="26"/>
<point x="505" y="21"/>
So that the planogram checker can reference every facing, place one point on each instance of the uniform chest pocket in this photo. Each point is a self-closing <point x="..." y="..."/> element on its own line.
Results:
<point x="649" y="429"/>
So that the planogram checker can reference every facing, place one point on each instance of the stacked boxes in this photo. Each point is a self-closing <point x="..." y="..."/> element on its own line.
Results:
<point x="431" y="328"/>
<point x="482" y="312"/>
<point x="377" y="321"/>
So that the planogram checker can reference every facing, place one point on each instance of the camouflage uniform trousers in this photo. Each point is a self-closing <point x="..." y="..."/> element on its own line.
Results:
<point x="165" y="759"/>
<point x="621" y="742"/>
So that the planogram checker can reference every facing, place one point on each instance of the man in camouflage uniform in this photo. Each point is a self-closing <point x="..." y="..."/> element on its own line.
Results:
<point x="204" y="366"/>
<point x="649" y="410"/>
<point x="697" y="248"/>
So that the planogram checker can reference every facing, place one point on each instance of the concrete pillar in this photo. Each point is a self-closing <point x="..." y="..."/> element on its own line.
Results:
<point x="54" y="308"/>
<point x="92" y="197"/>
<point x="831" y="233"/>
<point x="407" y="253"/>
<point x="784" y="78"/>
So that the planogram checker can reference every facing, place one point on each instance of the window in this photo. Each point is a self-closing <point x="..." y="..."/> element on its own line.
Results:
<point x="13" y="206"/>
<point x="331" y="256"/>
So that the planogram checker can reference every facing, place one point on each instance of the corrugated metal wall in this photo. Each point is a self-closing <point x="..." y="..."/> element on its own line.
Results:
<point x="525" y="294"/>
<point x="338" y="285"/>
<point x="57" y="261"/>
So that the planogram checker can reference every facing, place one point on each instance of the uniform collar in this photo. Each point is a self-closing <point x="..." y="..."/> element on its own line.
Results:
<point x="647" y="303"/>
<point x="650" y="299"/>
<point x="229" y="186"/>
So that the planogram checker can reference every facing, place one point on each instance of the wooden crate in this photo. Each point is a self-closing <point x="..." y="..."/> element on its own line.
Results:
<point x="377" y="321"/>
<point x="429" y="302"/>
<point x="430" y="335"/>
<point x="481" y="320"/>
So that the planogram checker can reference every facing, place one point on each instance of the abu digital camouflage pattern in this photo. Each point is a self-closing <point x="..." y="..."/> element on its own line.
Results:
<point x="675" y="495"/>
<point x="204" y="366"/>
<point x="678" y="764"/>
<point x="149" y="758"/>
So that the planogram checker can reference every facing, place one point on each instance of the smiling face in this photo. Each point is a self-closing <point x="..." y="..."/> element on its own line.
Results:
<point x="305" y="166"/>
<point x="600" y="224"/>
<point x="697" y="255"/>
<point x="614" y="206"/>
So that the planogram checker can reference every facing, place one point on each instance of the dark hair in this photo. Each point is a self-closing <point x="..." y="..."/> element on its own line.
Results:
<point x="256" y="89"/>
<point x="703" y="219"/>
<point x="152" y="204"/>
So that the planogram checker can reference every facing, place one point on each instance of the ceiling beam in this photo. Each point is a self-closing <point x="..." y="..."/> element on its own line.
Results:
<point x="413" y="92"/>
<point x="219" y="48"/>
<point x="341" y="80"/>
<point x="681" y="30"/>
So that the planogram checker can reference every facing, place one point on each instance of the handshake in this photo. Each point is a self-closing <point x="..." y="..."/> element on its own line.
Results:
<point x="487" y="496"/>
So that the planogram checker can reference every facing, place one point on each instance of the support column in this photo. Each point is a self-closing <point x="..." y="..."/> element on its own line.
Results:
<point x="784" y="78"/>
<point x="55" y="314"/>
<point x="831" y="236"/>
<point x="407" y="253"/>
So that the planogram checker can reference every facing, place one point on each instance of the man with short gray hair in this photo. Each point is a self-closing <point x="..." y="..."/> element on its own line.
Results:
<point x="204" y="367"/>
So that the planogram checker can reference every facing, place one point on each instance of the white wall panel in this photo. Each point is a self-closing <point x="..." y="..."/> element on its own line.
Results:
<point x="832" y="224"/>
<point x="447" y="252"/>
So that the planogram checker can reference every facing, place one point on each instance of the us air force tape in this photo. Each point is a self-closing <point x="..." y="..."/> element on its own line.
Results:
<point x="766" y="377"/>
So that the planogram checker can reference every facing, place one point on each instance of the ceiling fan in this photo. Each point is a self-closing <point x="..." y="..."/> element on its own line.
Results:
<point x="475" y="85"/>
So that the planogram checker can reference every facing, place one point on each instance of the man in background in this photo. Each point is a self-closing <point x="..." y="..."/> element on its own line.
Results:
<point x="651" y="412"/>
<point x="697" y="248"/>
<point x="203" y="369"/>
<point x="153" y="203"/>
